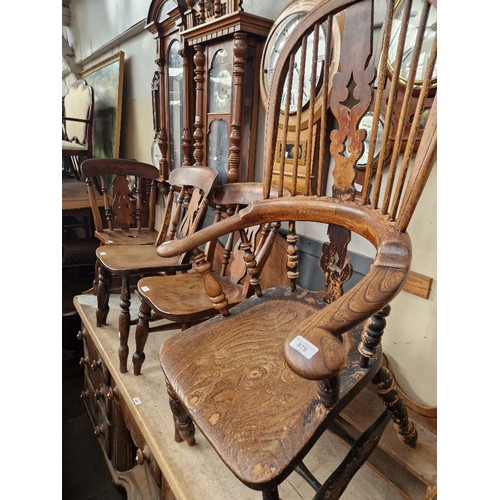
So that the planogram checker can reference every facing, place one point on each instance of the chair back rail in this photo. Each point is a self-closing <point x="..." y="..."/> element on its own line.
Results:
<point x="123" y="205"/>
<point x="357" y="86"/>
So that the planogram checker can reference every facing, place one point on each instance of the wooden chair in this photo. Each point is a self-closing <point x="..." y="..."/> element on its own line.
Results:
<point x="226" y="273"/>
<point x="128" y="217"/>
<point x="264" y="382"/>
<point x="185" y="208"/>
<point x="77" y="121"/>
<point x="128" y="191"/>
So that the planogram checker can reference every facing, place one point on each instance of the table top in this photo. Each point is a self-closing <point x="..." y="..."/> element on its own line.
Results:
<point x="74" y="195"/>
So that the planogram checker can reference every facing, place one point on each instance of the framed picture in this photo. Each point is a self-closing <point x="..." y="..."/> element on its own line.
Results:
<point x="106" y="78"/>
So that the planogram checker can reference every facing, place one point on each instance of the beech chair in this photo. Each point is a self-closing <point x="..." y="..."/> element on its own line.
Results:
<point x="185" y="209"/>
<point x="77" y="121"/>
<point x="126" y="188"/>
<point x="264" y="382"/>
<point x="226" y="272"/>
<point x="128" y="192"/>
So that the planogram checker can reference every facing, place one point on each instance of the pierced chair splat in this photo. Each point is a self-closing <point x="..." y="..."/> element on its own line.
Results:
<point x="264" y="382"/>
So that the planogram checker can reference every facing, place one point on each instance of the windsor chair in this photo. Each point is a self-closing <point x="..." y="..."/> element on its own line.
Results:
<point x="227" y="272"/>
<point x="265" y="381"/>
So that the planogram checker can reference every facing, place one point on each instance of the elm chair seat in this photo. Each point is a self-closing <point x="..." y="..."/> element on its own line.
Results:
<point x="264" y="382"/>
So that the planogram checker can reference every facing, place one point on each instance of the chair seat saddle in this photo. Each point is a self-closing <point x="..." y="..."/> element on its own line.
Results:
<point x="184" y="295"/>
<point x="132" y="236"/>
<point x="125" y="259"/>
<point x="257" y="443"/>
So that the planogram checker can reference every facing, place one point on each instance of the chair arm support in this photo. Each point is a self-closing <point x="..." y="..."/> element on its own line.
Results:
<point x="324" y="329"/>
<point x="212" y="287"/>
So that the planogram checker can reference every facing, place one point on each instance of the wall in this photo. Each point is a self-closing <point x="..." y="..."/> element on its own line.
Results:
<point x="100" y="28"/>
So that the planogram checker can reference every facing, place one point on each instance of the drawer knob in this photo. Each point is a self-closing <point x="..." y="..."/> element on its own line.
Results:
<point x="84" y="361"/>
<point x="96" y="363"/>
<point x="112" y="393"/>
<point x="143" y="455"/>
<point x="82" y="334"/>
<point x="85" y="394"/>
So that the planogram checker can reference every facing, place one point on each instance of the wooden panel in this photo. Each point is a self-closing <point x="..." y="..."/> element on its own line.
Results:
<point x="418" y="284"/>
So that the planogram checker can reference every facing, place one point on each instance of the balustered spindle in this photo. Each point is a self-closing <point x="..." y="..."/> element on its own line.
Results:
<point x="186" y="140"/>
<point x="199" y="70"/>
<point x="292" y="262"/>
<point x="372" y="336"/>
<point x="239" y="61"/>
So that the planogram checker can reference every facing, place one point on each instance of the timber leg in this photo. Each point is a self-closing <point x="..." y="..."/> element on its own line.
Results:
<point x="383" y="380"/>
<point x="141" y="336"/>
<point x="102" y="296"/>
<point x="184" y="427"/>
<point x="124" y="324"/>
<point x="271" y="494"/>
<point x="387" y="390"/>
<point x="337" y="482"/>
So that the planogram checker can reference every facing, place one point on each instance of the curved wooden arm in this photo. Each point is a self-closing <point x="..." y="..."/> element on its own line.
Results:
<point x="323" y="330"/>
<point x="384" y="280"/>
<point x="393" y="247"/>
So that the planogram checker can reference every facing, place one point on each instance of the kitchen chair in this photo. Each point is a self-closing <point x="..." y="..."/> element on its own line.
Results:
<point x="127" y="191"/>
<point x="227" y="272"/>
<point x="185" y="208"/>
<point x="77" y="121"/>
<point x="264" y="382"/>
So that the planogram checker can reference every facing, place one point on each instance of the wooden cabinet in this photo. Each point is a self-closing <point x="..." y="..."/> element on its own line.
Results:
<point x="125" y="449"/>
<point x="171" y="88"/>
<point x="228" y="47"/>
<point x="102" y="402"/>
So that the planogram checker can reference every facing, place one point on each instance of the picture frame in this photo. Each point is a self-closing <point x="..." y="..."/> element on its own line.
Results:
<point x="106" y="78"/>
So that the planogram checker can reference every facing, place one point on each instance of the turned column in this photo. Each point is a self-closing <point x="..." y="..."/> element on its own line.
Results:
<point x="239" y="58"/>
<point x="198" y="135"/>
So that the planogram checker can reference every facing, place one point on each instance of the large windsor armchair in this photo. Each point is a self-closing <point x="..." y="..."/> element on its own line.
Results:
<point x="263" y="383"/>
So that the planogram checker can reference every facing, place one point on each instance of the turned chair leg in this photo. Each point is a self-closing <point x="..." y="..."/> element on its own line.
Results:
<point x="102" y="296"/>
<point x="141" y="336"/>
<point x="124" y="324"/>
<point x="95" y="283"/>
<point x="271" y="494"/>
<point x="184" y="427"/>
<point x="387" y="390"/>
<point x="384" y="381"/>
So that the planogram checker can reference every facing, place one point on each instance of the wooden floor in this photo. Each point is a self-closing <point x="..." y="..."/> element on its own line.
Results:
<point x="396" y="471"/>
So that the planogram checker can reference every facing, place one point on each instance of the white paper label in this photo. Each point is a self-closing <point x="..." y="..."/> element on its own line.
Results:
<point x="137" y="400"/>
<point x="303" y="346"/>
<point x="145" y="288"/>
